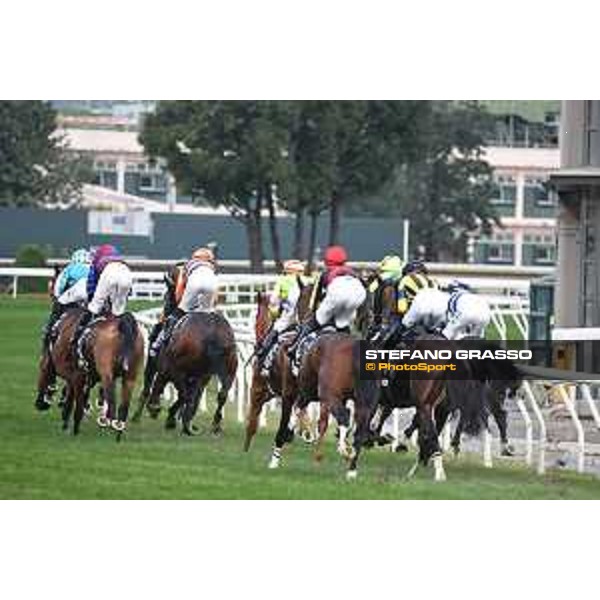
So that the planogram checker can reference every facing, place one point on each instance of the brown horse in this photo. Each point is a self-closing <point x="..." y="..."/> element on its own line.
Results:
<point x="114" y="349"/>
<point x="201" y="345"/>
<point x="280" y="381"/>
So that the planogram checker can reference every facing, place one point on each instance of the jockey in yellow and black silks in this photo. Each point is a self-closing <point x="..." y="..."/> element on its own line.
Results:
<point x="415" y="277"/>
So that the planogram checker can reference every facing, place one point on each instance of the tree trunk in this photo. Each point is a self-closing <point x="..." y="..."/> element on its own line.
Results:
<point x="335" y="209"/>
<point x="254" y="233"/>
<point x="298" y="250"/>
<point x="275" y="245"/>
<point x="312" y="242"/>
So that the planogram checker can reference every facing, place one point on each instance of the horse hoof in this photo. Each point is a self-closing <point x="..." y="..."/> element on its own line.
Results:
<point x="170" y="424"/>
<point x="189" y="430"/>
<point x="508" y="450"/>
<point x="117" y="425"/>
<point x="274" y="463"/>
<point x="217" y="430"/>
<point x="103" y="422"/>
<point x="307" y="437"/>
<point x="399" y="448"/>
<point x="42" y="404"/>
<point x="351" y="475"/>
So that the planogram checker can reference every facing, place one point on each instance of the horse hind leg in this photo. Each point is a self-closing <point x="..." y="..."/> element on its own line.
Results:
<point x="120" y="424"/>
<point x="226" y="381"/>
<point x="80" y="393"/>
<point x="192" y="394"/>
<point x="67" y="408"/>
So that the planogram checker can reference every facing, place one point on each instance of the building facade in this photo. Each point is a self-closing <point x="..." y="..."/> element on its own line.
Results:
<point x="526" y="205"/>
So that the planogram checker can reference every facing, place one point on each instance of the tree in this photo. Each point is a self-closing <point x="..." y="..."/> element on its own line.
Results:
<point x="345" y="150"/>
<point x="231" y="153"/>
<point x="445" y="192"/>
<point x="35" y="167"/>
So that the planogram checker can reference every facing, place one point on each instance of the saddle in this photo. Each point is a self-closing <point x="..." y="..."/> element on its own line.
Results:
<point x="286" y="336"/>
<point x="81" y="355"/>
<point x="307" y="344"/>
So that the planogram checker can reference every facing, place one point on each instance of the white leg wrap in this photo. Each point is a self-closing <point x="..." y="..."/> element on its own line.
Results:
<point x="275" y="459"/>
<point x="438" y="466"/>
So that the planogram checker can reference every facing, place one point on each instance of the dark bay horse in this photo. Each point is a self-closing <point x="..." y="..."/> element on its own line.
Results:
<point x="496" y="379"/>
<point x="114" y="350"/>
<point x="202" y="346"/>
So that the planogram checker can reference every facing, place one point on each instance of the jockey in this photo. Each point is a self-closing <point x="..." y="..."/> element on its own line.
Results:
<point x="468" y="313"/>
<point x="69" y="289"/>
<point x="195" y="291"/>
<point x="429" y="310"/>
<point x="415" y="278"/>
<point x="108" y="285"/>
<point x="389" y="273"/>
<point x="337" y="294"/>
<point x="282" y="304"/>
<point x="171" y="279"/>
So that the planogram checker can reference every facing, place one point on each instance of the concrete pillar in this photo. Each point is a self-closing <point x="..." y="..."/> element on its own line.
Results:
<point x="518" y="244"/>
<point x="121" y="176"/>
<point x="520" y="201"/>
<point x="566" y="295"/>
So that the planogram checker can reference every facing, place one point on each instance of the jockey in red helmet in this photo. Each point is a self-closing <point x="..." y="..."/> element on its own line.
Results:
<point x="337" y="295"/>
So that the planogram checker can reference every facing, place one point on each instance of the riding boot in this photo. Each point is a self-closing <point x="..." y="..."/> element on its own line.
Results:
<point x="84" y="321"/>
<point x="265" y="346"/>
<point x="305" y="329"/>
<point x="393" y="334"/>
<point x="166" y="332"/>
<point x="55" y="313"/>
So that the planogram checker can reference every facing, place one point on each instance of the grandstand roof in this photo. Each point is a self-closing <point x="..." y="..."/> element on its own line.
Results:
<point x="102" y="140"/>
<point x="523" y="158"/>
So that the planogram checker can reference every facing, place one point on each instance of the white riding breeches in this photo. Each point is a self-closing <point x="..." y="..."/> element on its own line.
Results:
<point x="469" y="317"/>
<point x="200" y="291"/>
<point x="428" y="309"/>
<point x="114" y="286"/>
<point x="76" y="294"/>
<point x="344" y="296"/>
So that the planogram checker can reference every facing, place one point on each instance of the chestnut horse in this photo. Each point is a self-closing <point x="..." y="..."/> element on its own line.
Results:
<point x="280" y="382"/>
<point x="114" y="349"/>
<point x="201" y="346"/>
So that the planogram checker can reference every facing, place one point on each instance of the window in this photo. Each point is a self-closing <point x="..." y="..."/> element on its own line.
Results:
<point x="506" y="190"/>
<point x="152" y="182"/>
<point x="544" y="254"/>
<point x="536" y="190"/>
<point x="500" y="253"/>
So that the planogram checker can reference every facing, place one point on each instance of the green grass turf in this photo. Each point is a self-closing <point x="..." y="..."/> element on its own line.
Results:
<point x="38" y="460"/>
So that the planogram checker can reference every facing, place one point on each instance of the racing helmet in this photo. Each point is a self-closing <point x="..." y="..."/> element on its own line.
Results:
<point x="335" y="256"/>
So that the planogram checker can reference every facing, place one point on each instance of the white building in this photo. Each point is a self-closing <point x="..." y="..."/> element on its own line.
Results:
<point x="526" y="206"/>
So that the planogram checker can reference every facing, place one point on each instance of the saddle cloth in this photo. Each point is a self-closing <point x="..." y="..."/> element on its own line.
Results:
<point x="306" y="344"/>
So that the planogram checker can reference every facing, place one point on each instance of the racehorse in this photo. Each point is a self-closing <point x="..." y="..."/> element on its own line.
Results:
<point x="497" y="382"/>
<point x="280" y="381"/>
<point x="113" y="348"/>
<point x="201" y="346"/>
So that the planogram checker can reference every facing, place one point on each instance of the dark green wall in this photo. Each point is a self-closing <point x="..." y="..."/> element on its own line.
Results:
<point x="176" y="235"/>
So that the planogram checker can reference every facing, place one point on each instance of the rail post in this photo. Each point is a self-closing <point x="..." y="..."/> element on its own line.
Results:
<point x="528" y="429"/>
<point x="541" y="467"/>
<point x="569" y="402"/>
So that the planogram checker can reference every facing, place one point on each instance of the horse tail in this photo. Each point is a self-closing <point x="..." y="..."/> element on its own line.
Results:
<point x="469" y="398"/>
<point x="128" y="330"/>
<point x="366" y="391"/>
